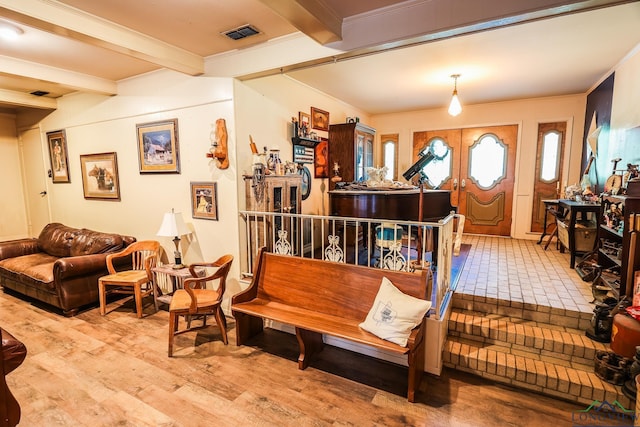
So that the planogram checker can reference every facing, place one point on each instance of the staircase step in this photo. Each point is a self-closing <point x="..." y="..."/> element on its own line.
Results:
<point x="553" y="343"/>
<point x="532" y="373"/>
<point x="560" y="316"/>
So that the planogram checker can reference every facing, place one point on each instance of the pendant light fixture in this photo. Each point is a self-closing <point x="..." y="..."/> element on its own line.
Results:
<point x="454" y="107"/>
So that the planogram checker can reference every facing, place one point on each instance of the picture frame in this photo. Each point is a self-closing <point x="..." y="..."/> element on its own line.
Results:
<point x="100" y="176"/>
<point x="58" y="155"/>
<point x="319" y="119"/>
<point x="204" y="200"/>
<point x="158" y="148"/>
<point x="304" y="122"/>
<point x="321" y="159"/>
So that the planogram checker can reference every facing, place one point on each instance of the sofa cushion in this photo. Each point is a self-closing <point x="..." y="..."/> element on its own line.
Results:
<point x="38" y="266"/>
<point x="55" y="239"/>
<point x="88" y="242"/>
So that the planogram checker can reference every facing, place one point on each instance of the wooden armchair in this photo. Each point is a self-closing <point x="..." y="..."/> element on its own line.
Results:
<point x="138" y="281"/>
<point x="196" y="300"/>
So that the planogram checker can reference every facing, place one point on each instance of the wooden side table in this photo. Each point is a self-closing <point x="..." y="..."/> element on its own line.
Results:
<point x="177" y="277"/>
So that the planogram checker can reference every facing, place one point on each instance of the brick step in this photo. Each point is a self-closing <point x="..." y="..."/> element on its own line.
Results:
<point x="553" y="343"/>
<point x="579" y="385"/>
<point x="575" y="319"/>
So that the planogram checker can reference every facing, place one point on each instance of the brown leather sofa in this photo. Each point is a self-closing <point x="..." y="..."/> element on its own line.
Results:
<point x="61" y="267"/>
<point x="12" y="354"/>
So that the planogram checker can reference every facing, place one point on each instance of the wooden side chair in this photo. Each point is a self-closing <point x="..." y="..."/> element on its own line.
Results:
<point x="196" y="300"/>
<point x="138" y="281"/>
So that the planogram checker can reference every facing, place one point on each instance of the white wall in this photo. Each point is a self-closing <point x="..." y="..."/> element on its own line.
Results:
<point x="13" y="214"/>
<point x="98" y="124"/>
<point x="265" y="109"/>
<point x="625" y="113"/>
<point x="527" y="114"/>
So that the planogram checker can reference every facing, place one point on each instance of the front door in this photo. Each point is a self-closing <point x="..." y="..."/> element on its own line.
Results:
<point x="478" y="166"/>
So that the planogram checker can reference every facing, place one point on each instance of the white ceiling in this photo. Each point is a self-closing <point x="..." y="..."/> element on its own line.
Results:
<point x="379" y="55"/>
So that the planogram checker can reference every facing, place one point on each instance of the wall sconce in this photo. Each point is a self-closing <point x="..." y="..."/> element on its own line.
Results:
<point x="454" y="107"/>
<point x="218" y="150"/>
<point x="173" y="225"/>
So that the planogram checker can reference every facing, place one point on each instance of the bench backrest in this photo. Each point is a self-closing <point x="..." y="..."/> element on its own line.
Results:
<point x="343" y="290"/>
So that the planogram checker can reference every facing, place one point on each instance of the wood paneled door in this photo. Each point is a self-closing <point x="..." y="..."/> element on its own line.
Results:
<point x="546" y="185"/>
<point x="478" y="166"/>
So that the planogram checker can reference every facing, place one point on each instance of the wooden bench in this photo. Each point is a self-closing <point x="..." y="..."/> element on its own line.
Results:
<point x="322" y="297"/>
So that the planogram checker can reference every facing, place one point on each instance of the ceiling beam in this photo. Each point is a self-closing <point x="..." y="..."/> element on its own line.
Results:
<point x="57" y="18"/>
<point x="67" y="78"/>
<point x="19" y="99"/>
<point x="312" y="17"/>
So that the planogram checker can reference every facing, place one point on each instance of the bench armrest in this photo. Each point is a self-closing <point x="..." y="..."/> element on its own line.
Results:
<point x="252" y="291"/>
<point x="16" y="248"/>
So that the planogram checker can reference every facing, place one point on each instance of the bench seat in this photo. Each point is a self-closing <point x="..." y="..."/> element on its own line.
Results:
<point x="319" y="322"/>
<point x="327" y="298"/>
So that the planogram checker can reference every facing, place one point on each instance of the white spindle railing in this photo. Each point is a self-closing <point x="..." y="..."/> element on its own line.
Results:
<point x="376" y="243"/>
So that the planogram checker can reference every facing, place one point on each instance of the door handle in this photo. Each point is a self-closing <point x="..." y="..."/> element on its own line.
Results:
<point x="455" y="184"/>
<point x="43" y="193"/>
<point x="463" y="183"/>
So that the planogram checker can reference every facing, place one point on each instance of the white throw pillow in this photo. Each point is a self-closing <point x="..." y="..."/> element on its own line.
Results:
<point x="394" y="314"/>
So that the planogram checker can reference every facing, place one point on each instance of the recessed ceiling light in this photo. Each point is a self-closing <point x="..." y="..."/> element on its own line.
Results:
<point x="9" y="31"/>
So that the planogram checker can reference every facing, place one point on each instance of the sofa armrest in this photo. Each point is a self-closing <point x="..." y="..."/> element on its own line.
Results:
<point x="16" y="248"/>
<point x="81" y="265"/>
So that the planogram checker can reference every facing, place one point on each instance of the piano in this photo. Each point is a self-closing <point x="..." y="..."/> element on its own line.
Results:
<point x="400" y="205"/>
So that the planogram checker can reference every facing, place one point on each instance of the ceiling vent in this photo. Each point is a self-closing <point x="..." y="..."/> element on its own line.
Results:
<point x="241" y="32"/>
<point x="39" y="93"/>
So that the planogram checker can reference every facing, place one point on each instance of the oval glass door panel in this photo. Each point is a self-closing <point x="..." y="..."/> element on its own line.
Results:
<point x="549" y="165"/>
<point x="437" y="170"/>
<point x="487" y="161"/>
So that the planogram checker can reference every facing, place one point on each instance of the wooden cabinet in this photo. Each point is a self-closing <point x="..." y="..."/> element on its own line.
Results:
<point x="279" y="195"/>
<point x="617" y="247"/>
<point x="351" y="146"/>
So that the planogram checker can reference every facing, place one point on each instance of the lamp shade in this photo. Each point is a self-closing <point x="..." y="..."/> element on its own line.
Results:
<point x="172" y="225"/>
<point x="455" y="108"/>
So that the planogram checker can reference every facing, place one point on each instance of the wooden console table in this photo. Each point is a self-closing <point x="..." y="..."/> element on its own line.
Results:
<point x="573" y="210"/>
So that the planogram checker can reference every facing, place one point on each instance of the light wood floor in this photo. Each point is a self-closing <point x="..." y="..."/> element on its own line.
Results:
<point x="114" y="371"/>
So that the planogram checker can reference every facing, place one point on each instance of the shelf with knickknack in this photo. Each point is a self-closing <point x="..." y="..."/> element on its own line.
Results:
<point x="618" y="253"/>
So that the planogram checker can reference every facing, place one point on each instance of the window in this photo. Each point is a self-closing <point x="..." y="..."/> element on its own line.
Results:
<point x="438" y="170"/>
<point x="390" y="155"/>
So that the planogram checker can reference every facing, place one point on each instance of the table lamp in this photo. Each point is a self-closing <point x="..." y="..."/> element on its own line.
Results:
<point x="173" y="225"/>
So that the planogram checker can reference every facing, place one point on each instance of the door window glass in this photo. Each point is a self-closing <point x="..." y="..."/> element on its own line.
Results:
<point x="487" y="161"/>
<point x="438" y="170"/>
<point x="390" y="155"/>
<point x="550" y="154"/>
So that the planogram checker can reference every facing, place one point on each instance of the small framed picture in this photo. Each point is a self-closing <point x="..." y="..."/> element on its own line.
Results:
<point x="321" y="159"/>
<point x="304" y="120"/>
<point x="100" y="176"/>
<point x="204" y="200"/>
<point x="158" y="150"/>
<point x="319" y="119"/>
<point x="57" y="142"/>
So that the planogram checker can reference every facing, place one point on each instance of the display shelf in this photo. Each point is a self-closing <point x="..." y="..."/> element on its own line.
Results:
<point x="615" y="216"/>
<point x="305" y="142"/>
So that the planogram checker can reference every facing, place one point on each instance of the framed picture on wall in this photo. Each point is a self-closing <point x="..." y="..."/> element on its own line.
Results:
<point x="158" y="150"/>
<point x="204" y="200"/>
<point x="321" y="159"/>
<point x="319" y="119"/>
<point x="57" y="143"/>
<point x="304" y="120"/>
<point x="100" y="176"/>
